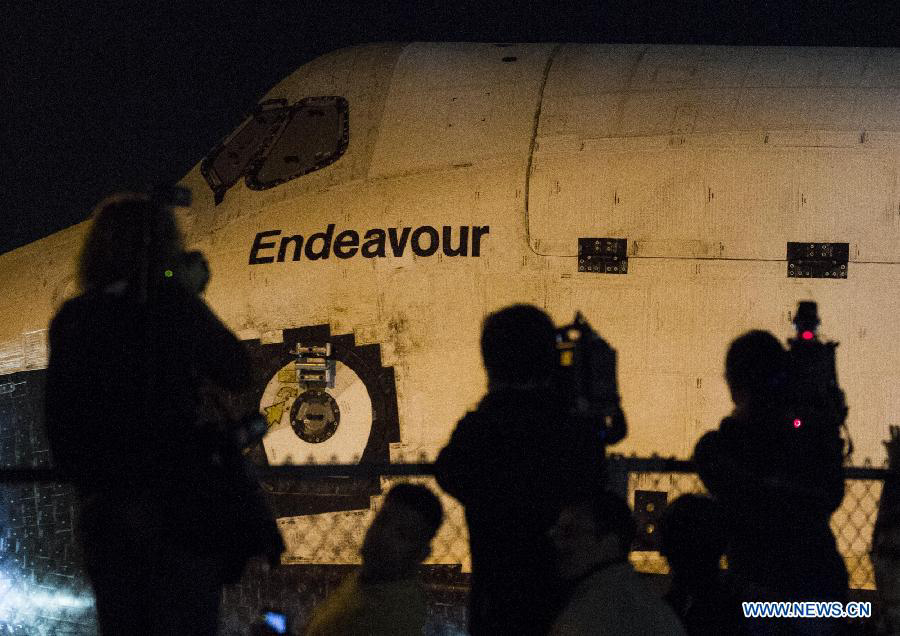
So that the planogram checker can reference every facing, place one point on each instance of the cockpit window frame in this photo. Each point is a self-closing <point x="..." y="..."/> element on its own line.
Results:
<point x="261" y="148"/>
<point x="343" y="111"/>
<point x="218" y="183"/>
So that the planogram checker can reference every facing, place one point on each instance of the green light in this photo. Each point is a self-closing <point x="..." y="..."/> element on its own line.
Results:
<point x="169" y="273"/>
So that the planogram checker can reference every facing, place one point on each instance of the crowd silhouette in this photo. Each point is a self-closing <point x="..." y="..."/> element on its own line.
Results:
<point x="550" y="541"/>
<point x="161" y="532"/>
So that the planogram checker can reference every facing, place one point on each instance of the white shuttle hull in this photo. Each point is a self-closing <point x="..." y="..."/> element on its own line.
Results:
<point x="706" y="160"/>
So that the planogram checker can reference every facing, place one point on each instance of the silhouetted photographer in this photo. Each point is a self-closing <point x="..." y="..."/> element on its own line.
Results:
<point x="516" y="460"/>
<point x="168" y="512"/>
<point x="775" y="467"/>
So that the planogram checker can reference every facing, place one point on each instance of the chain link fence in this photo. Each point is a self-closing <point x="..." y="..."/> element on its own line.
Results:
<point x="851" y="523"/>
<point x="323" y="512"/>
<point x="649" y="485"/>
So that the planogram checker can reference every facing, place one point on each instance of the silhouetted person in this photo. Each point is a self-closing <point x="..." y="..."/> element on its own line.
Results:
<point x="127" y="358"/>
<point x="605" y="595"/>
<point x="886" y="541"/>
<point x="513" y="463"/>
<point x="776" y="496"/>
<point x="693" y="542"/>
<point x="384" y="596"/>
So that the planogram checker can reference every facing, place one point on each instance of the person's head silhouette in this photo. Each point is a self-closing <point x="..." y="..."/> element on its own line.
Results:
<point x="132" y="240"/>
<point x="692" y="536"/>
<point x="755" y="369"/>
<point x="592" y="531"/>
<point x="518" y="345"/>
<point x="399" y="538"/>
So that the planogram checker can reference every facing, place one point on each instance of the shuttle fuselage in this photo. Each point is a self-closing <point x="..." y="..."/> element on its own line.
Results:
<point x="397" y="193"/>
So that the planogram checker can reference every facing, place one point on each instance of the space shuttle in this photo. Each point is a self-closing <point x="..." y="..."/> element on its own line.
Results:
<point x="381" y="200"/>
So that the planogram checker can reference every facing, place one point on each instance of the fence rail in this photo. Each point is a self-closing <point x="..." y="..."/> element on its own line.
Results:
<point x="300" y="471"/>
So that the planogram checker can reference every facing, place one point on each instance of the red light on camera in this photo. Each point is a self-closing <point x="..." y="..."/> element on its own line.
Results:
<point x="807" y="335"/>
<point x="798" y="423"/>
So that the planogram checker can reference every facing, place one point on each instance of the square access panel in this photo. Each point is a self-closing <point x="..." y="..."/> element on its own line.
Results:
<point x="649" y="506"/>
<point x="817" y="260"/>
<point x="603" y="255"/>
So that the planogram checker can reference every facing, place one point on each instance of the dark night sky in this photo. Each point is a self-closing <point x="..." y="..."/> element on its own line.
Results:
<point x="104" y="96"/>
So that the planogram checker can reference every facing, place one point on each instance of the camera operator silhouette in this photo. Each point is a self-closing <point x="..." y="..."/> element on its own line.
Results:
<point x="513" y="463"/>
<point x="777" y="477"/>
<point x="161" y="520"/>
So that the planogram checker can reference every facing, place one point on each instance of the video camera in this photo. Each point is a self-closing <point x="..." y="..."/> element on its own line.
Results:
<point x="586" y="377"/>
<point x="814" y="404"/>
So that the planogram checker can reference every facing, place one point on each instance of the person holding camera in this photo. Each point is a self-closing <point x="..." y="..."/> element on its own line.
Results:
<point x="127" y="361"/>
<point x="777" y="476"/>
<point x="514" y="463"/>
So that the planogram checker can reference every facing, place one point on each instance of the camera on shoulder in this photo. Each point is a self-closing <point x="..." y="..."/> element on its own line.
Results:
<point x="586" y="378"/>
<point x="813" y="402"/>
